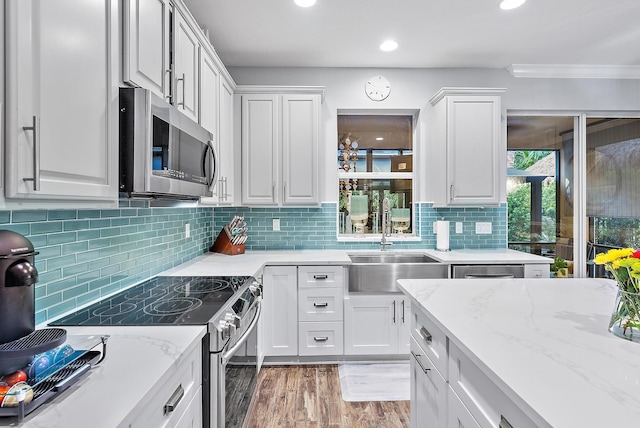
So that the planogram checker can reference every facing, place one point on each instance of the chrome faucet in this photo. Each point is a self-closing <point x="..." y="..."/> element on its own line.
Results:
<point x="386" y="224"/>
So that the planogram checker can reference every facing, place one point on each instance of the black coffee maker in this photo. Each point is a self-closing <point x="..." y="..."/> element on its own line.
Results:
<point x="18" y="276"/>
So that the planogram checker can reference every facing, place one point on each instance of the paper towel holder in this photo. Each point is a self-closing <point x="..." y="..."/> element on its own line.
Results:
<point x="444" y="244"/>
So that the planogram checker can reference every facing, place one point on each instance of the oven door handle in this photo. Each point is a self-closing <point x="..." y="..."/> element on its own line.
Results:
<point x="227" y="355"/>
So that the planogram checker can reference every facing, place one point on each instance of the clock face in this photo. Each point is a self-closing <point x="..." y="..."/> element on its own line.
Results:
<point x="377" y="88"/>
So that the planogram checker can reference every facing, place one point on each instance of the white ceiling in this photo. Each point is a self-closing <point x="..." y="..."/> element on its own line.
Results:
<point x="431" y="33"/>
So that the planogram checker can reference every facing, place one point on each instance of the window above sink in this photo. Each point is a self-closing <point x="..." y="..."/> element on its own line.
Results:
<point x="375" y="161"/>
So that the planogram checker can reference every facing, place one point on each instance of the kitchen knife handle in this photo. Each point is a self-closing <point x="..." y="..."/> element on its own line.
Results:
<point x="35" y="127"/>
<point x="174" y="400"/>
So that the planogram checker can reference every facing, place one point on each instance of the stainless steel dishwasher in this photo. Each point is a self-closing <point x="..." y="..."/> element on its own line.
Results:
<point x="488" y="271"/>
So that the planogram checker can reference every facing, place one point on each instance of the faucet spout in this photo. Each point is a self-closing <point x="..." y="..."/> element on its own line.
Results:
<point x="386" y="224"/>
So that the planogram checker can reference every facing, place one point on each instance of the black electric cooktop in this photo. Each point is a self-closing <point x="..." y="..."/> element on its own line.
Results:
<point x="161" y="300"/>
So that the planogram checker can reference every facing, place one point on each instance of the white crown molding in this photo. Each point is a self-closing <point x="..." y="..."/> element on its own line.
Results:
<point x="569" y="71"/>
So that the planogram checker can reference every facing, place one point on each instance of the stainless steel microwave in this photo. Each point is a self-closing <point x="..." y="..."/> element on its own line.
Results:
<point x="163" y="153"/>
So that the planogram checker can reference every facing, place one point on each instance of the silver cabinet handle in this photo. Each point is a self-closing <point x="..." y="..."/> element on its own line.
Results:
<point x="170" y="96"/>
<point x="183" y="90"/>
<point x="504" y="423"/>
<point x="320" y="339"/>
<point x="35" y="127"/>
<point x="425" y="334"/>
<point x="403" y="312"/>
<point x="273" y="191"/>
<point x="174" y="400"/>
<point x="417" y="357"/>
<point x="451" y="193"/>
<point x="320" y="276"/>
<point x="394" y="311"/>
<point x="226" y="189"/>
<point x="320" y="305"/>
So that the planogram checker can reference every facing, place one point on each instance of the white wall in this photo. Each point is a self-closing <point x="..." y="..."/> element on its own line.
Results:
<point x="412" y="89"/>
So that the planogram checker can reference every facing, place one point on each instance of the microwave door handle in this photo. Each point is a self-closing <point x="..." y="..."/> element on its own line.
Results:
<point x="214" y="164"/>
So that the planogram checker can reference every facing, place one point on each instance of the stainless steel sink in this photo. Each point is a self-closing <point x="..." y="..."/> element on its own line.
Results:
<point x="378" y="272"/>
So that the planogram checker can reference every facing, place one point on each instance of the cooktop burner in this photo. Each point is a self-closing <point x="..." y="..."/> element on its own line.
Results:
<point x="161" y="300"/>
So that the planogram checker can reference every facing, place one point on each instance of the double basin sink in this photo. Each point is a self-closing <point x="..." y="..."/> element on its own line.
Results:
<point x="378" y="272"/>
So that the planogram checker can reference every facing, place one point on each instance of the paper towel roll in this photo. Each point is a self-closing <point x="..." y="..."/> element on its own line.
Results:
<point x="442" y="235"/>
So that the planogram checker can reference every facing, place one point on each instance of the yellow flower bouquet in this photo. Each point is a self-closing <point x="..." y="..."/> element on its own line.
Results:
<point x="624" y="265"/>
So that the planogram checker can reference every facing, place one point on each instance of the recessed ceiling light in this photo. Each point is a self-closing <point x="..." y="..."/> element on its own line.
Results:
<point x="389" y="45"/>
<point x="305" y="3"/>
<point x="511" y="4"/>
<point x="379" y="138"/>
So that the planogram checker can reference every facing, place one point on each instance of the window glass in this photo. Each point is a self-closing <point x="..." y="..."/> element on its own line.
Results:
<point x="375" y="161"/>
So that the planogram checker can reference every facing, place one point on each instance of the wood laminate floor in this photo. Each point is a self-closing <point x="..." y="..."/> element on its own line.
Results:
<point x="309" y="396"/>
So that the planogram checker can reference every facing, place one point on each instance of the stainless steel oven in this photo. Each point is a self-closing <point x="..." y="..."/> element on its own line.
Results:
<point x="229" y="306"/>
<point x="163" y="153"/>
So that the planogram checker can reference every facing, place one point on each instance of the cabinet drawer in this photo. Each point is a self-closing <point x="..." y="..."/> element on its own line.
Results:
<point x="428" y="391"/>
<point x="458" y="415"/>
<point x="320" y="338"/>
<point x="487" y="403"/>
<point x="184" y="378"/>
<point x="323" y="304"/>
<point x="431" y="339"/>
<point x="321" y="276"/>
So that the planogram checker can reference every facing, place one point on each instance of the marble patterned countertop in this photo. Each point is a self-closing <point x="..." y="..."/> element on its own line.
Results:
<point x="252" y="262"/>
<point x="137" y="359"/>
<point x="544" y="342"/>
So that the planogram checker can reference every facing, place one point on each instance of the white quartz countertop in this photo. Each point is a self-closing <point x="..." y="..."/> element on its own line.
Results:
<point x="544" y="342"/>
<point x="251" y="262"/>
<point x="486" y="256"/>
<point x="136" y="362"/>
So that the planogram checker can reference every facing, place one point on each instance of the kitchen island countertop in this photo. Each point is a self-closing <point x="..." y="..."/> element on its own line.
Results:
<point x="543" y="342"/>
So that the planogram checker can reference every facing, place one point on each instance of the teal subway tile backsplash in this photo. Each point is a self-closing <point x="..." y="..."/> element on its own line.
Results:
<point x="315" y="228"/>
<point x="86" y="254"/>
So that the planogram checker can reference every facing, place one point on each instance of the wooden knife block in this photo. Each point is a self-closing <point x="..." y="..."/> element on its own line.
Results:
<point x="223" y="245"/>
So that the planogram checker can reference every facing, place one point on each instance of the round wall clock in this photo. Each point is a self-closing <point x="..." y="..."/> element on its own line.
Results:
<point x="377" y="88"/>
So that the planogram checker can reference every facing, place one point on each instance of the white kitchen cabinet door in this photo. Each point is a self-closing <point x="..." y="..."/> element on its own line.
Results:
<point x="62" y="99"/>
<point x="280" y="310"/>
<point x="467" y="138"/>
<point x="225" y="190"/>
<point x="370" y="324"/>
<point x="209" y="87"/>
<point x="186" y="64"/>
<point x="428" y="391"/>
<point x="260" y="149"/>
<point x="300" y="121"/>
<point x="146" y="45"/>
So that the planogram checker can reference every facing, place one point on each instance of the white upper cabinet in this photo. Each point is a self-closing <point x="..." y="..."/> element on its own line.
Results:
<point x="62" y="99"/>
<point x="209" y="89"/>
<point x="146" y="45"/>
<point x="225" y="144"/>
<point x="465" y="165"/>
<point x="186" y="53"/>
<point x="279" y="139"/>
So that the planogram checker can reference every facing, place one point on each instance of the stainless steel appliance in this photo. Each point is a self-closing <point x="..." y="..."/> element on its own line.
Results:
<point x="488" y="271"/>
<point x="163" y="153"/>
<point x="228" y="305"/>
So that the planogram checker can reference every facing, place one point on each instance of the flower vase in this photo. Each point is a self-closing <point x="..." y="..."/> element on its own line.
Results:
<point x="625" y="318"/>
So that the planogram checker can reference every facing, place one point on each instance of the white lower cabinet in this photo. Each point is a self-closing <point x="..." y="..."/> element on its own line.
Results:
<point x="376" y="324"/>
<point x="428" y="388"/>
<point x="449" y="389"/>
<point x="279" y="314"/>
<point x="320" y="338"/>
<point x="177" y="400"/>
<point x="458" y="415"/>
